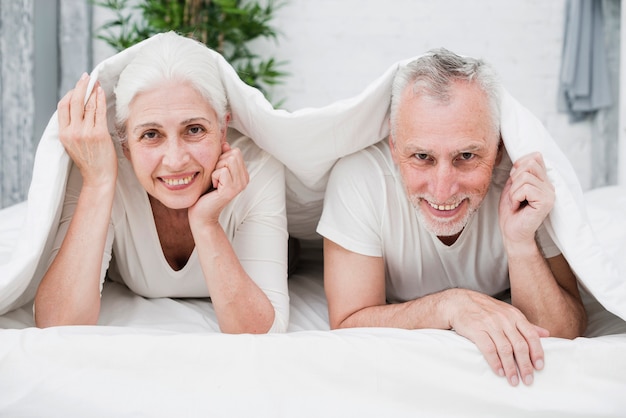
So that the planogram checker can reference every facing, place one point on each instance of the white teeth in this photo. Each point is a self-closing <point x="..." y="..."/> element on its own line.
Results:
<point x="178" y="182"/>
<point x="444" y="207"/>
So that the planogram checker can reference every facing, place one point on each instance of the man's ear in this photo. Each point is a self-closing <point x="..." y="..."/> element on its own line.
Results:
<point x="392" y="147"/>
<point x="392" y="144"/>
<point x="501" y="150"/>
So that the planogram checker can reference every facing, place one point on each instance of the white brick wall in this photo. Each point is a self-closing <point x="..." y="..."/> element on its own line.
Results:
<point x="334" y="48"/>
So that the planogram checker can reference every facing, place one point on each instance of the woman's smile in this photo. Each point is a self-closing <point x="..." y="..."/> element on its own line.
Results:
<point x="178" y="182"/>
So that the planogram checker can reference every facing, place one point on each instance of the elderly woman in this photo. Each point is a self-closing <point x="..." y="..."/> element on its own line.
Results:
<point x="183" y="208"/>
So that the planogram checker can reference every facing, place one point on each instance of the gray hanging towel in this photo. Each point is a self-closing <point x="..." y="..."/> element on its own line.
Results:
<point x="584" y="83"/>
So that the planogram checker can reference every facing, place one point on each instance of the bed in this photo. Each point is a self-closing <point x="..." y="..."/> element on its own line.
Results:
<point x="164" y="357"/>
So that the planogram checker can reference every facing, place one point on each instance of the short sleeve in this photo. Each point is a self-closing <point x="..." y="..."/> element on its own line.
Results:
<point x="353" y="205"/>
<point x="260" y="241"/>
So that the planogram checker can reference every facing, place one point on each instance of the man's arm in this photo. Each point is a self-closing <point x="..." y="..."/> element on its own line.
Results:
<point x="355" y="290"/>
<point x="547" y="293"/>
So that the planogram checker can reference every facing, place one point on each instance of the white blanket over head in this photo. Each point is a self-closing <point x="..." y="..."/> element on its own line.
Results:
<point x="309" y="142"/>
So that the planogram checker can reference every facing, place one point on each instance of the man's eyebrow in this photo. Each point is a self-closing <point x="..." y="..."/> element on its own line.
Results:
<point x="414" y="149"/>
<point x="472" y="147"/>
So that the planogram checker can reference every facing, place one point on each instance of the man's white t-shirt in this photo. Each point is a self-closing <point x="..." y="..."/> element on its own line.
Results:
<point x="366" y="211"/>
<point x="254" y="222"/>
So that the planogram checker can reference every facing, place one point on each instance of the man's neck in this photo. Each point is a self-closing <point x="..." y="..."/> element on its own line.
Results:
<point x="449" y="240"/>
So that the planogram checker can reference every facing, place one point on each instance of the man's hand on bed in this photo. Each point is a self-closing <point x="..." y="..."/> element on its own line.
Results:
<point x="510" y="343"/>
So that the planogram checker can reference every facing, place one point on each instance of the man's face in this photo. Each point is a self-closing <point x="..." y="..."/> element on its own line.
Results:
<point x="446" y="153"/>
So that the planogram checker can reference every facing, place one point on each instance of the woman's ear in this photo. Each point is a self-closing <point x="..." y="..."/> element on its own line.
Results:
<point x="225" y="127"/>
<point x="126" y="150"/>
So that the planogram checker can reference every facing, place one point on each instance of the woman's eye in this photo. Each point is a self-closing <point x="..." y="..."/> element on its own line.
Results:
<point x="195" y="130"/>
<point x="149" y="135"/>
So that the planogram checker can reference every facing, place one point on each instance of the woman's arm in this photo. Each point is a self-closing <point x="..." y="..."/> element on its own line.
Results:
<point x="69" y="292"/>
<point x="247" y="280"/>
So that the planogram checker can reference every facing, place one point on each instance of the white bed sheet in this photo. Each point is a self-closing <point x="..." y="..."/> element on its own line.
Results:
<point x="163" y="358"/>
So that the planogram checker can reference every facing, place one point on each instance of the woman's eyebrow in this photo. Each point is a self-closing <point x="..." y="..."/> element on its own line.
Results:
<point x="196" y="119"/>
<point x="147" y="125"/>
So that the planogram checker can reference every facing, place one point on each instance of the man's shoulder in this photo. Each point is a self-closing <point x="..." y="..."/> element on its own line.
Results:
<point x="375" y="159"/>
<point x="257" y="160"/>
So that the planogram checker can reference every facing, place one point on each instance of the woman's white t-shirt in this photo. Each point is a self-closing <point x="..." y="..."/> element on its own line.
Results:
<point x="254" y="222"/>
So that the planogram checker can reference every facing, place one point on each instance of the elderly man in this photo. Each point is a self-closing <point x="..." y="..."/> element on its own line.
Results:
<point x="432" y="227"/>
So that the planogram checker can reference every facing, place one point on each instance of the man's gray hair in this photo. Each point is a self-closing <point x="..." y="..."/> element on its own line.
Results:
<point x="432" y="75"/>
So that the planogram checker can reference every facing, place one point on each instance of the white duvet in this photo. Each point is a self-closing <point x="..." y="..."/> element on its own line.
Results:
<point x="156" y="358"/>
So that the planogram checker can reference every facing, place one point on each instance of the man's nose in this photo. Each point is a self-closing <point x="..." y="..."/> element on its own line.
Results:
<point x="444" y="183"/>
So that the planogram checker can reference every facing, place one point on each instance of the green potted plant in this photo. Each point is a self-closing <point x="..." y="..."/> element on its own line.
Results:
<point x="227" y="26"/>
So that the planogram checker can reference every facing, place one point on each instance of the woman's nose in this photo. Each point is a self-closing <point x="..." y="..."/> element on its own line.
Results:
<point x="175" y="154"/>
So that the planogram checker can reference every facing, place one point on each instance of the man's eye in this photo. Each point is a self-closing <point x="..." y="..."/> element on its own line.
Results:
<point x="421" y="156"/>
<point x="466" y="155"/>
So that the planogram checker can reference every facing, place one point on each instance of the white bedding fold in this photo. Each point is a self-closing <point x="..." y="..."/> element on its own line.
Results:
<point x="309" y="142"/>
<point x="162" y="358"/>
<point x="134" y="372"/>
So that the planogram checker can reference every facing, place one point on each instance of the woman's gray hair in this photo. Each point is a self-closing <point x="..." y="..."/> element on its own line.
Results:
<point x="432" y="75"/>
<point x="170" y="57"/>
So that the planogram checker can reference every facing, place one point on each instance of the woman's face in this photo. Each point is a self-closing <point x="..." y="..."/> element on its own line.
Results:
<point x="174" y="139"/>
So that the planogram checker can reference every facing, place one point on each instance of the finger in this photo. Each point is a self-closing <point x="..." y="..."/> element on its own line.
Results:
<point x="221" y="177"/>
<point x="89" y="115"/>
<point x="489" y="351"/>
<point x="532" y="164"/>
<point x="533" y="191"/>
<point x="536" y="349"/>
<point x="63" y="110"/>
<point x="528" y="350"/>
<point x="505" y="352"/>
<point x="521" y="352"/>
<point x="77" y="102"/>
<point x="233" y="160"/>
<point x="101" y="105"/>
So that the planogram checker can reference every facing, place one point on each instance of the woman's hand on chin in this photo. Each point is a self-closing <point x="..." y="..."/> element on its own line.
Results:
<point x="229" y="178"/>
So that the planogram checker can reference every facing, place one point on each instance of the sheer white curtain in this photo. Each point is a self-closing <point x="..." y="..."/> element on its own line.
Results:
<point x="622" y="119"/>
<point x="44" y="47"/>
<point x="590" y="76"/>
<point x="18" y="101"/>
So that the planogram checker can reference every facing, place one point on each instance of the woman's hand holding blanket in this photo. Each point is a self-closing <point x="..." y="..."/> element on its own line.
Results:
<point x="84" y="133"/>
